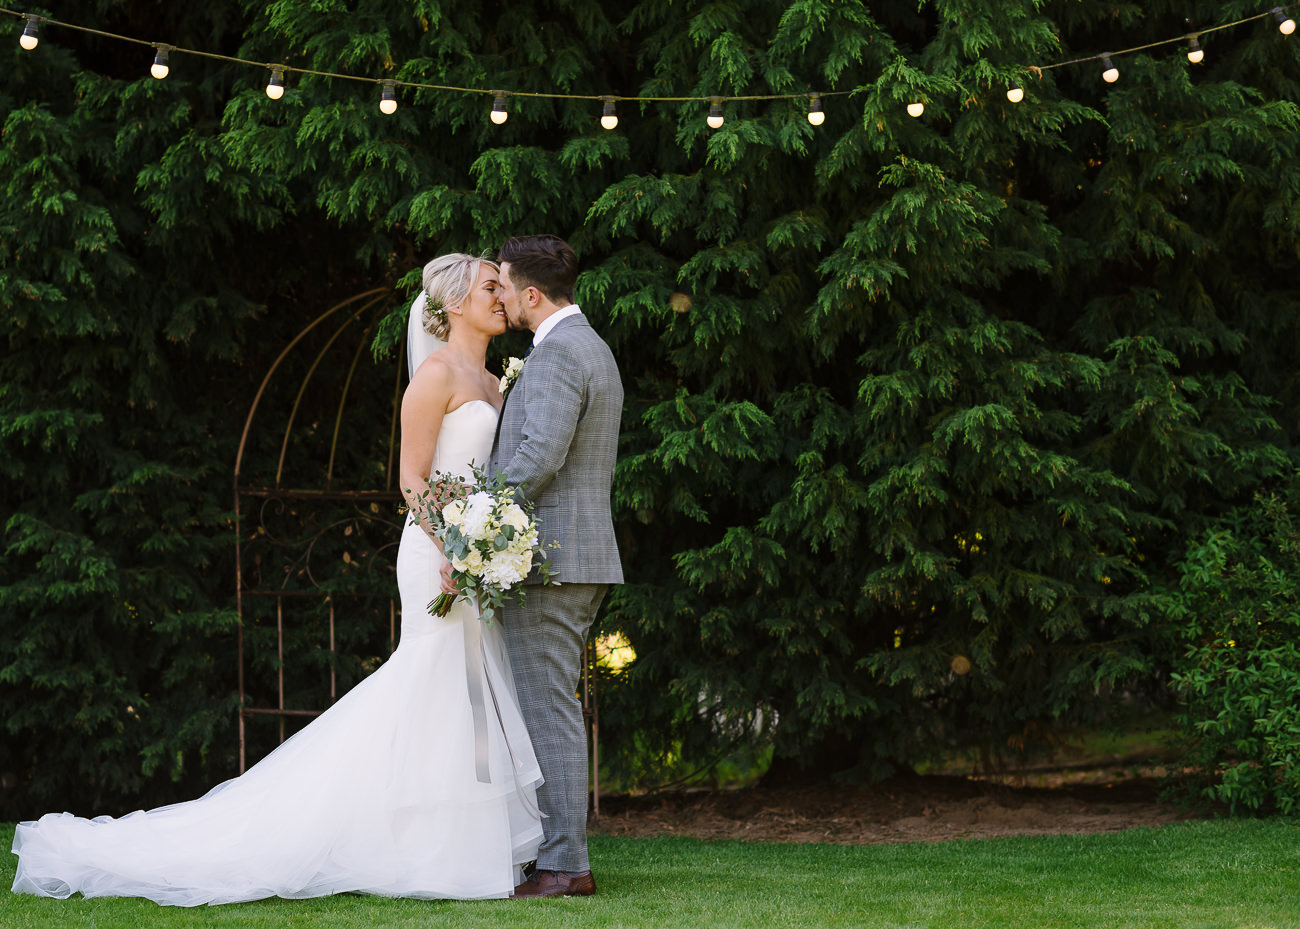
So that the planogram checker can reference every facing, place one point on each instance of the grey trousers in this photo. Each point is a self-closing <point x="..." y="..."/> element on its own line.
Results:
<point x="546" y="638"/>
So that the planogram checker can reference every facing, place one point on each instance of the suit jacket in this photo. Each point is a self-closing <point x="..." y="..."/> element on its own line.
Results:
<point x="556" y="442"/>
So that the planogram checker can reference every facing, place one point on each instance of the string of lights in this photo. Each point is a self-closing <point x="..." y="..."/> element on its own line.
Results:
<point x="279" y="73"/>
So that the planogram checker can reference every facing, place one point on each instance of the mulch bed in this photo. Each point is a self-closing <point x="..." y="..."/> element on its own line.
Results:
<point x="926" y="809"/>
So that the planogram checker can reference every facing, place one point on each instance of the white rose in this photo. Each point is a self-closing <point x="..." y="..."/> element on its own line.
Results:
<point x="513" y="367"/>
<point x="453" y="512"/>
<point x="514" y="516"/>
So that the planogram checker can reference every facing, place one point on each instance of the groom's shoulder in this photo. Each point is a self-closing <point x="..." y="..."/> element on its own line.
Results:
<point x="576" y="330"/>
<point x="573" y="324"/>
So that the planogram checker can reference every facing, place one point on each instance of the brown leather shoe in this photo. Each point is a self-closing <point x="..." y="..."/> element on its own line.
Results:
<point x="557" y="884"/>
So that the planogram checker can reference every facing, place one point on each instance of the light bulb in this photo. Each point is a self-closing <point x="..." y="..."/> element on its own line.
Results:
<point x="715" y="119"/>
<point x="815" y="114"/>
<point x="31" y="36"/>
<point x="1285" y="24"/>
<point x="275" y="86"/>
<point x="388" y="99"/>
<point x="1015" y="94"/>
<point x="1195" y="54"/>
<point x="499" y="114"/>
<point x="915" y="109"/>
<point x="608" y="119"/>
<point x="160" y="69"/>
<point x="1110" y="73"/>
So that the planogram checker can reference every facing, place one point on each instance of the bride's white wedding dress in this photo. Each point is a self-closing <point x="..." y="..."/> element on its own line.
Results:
<point x="394" y="790"/>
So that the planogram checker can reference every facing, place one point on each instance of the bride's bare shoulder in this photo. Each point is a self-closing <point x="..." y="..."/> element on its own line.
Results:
<point x="431" y="385"/>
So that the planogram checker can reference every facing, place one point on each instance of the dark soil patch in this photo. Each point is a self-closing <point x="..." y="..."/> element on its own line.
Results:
<point x="916" y="809"/>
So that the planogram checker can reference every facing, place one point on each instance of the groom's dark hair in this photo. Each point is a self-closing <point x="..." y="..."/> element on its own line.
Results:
<point x="542" y="261"/>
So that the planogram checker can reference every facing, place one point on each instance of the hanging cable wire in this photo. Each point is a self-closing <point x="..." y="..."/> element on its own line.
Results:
<point x="1276" y="11"/>
<point x="35" y="21"/>
<point x="31" y="37"/>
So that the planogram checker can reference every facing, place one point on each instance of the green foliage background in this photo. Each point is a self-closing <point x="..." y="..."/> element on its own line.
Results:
<point x="1238" y="612"/>
<point x="937" y="388"/>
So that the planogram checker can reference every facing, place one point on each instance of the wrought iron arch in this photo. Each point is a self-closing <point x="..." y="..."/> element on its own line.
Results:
<point x="287" y="525"/>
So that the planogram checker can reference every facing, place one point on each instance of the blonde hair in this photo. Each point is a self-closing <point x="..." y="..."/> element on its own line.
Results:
<point x="447" y="281"/>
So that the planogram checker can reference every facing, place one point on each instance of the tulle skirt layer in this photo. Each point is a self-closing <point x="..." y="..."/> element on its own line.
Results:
<point x="381" y="794"/>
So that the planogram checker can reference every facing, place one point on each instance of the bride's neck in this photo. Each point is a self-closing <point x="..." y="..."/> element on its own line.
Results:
<point x="470" y="346"/>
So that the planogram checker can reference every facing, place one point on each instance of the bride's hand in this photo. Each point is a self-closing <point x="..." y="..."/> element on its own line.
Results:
<point x="448" y="585"/>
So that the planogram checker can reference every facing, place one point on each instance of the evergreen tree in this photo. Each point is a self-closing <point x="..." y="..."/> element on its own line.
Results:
<point x="136" y="266"/>
<point x="918" y="409"/>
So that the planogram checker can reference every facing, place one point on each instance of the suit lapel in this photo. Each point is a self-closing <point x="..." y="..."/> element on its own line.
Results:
<point x="577" y="319"/>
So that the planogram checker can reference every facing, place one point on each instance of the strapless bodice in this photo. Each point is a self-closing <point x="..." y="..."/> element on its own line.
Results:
<point x="465" y="439"/>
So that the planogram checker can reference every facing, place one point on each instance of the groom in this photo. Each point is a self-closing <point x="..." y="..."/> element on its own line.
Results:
<point x="556" y="441"/>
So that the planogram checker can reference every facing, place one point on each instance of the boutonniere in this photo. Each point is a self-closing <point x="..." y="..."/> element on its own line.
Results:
<point x="513" y="368"/>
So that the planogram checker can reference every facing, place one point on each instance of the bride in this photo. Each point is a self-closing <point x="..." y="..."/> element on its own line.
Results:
<point x="421" y="781"/>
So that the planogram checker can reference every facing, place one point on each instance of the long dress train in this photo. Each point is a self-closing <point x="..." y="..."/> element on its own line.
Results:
<point x="407" y="786"/>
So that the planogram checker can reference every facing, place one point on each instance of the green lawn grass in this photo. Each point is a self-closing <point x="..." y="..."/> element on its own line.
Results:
<point x="1234" y="874"/>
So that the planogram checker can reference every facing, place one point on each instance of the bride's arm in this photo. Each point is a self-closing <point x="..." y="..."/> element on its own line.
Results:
<point x="423" y="406"/>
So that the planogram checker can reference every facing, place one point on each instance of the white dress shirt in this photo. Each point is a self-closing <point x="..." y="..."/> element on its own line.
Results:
<point x="549" y="322"/>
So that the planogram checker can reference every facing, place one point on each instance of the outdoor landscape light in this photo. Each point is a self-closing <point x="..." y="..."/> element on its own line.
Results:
<point x="1015" y="94"/>
<point x="31" y="36"/>
<point x="815" y="114"/>
<point x="160" y="69"/>
<point x="1110" y="73"/>
<point x="275" y="86"/>
<point x="388" y="99"/>
<point x="608" y="118"/>
<point x="715" y="114"/>
<point x="1285" y="24"/>
<point x="915" y="109"/>
<point x="499" y="114"/>
<point x="1194" y="53"/>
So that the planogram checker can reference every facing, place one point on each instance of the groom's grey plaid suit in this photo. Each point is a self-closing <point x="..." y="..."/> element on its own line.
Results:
<point x="557" y="439"/>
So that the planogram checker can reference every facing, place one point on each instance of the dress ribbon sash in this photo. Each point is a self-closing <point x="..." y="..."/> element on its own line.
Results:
<point x="476" y="677"/>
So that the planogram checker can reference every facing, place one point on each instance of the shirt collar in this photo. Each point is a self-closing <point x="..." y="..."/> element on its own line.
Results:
<point x="549" y="322"/>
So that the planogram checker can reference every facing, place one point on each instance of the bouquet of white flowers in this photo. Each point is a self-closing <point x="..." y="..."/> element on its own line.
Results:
<point x="491" y="541"/>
